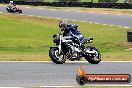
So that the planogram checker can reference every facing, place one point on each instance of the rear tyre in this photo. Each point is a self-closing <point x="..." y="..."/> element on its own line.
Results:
<point x="55" y="57"/>
<point x="93" y="58"/>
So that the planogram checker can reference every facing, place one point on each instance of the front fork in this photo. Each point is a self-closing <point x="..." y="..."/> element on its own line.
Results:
<point x="60" y="45"/>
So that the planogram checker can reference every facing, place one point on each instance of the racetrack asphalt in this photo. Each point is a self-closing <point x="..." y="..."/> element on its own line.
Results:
<point x="31" y="74"/>
<point x="110" y="19"/>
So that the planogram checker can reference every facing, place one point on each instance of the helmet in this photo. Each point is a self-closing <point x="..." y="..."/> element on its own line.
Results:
<point x="11" y="2"/>
<point x="63" y="24"/>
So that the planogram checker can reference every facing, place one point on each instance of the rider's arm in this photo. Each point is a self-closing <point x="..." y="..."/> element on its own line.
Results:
<point x="9" y="4"/>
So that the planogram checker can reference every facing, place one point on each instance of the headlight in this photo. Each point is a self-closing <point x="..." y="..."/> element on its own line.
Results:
<point x="56" y="38"/>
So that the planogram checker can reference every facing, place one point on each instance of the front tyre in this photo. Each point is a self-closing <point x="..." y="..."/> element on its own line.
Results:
<point x="93" y="58"/>
<point x="55" y="56"/>
<point x="20" y="11"/>
<point x="8" y="10"/>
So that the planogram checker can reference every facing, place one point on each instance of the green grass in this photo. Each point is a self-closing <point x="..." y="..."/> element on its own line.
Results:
<point x="29" y="38"/>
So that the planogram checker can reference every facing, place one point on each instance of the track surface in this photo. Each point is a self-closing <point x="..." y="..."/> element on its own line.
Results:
<point x="50" y="74"/>
<point x="111" y="19"/>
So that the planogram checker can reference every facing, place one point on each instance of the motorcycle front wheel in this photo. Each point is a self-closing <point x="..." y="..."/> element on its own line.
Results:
<point x="20" y="11"/>
<point x="7" y="9"/>
<point x="55" y="56"/>
<point x="93" y="58"/>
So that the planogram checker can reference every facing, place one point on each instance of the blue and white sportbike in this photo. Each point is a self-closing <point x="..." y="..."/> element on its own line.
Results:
<point x="70" y="45"/>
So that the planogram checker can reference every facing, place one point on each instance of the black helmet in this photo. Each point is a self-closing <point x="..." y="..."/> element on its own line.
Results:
<point x="63" y="24"/>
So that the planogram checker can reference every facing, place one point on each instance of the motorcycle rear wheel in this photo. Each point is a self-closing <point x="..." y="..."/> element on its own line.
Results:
<point x="53" y="53"/>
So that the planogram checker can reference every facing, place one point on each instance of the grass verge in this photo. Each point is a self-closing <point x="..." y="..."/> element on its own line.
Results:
<point x="29" y="38"/>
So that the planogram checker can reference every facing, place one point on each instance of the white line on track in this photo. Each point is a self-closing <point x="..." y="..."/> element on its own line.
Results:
<point x="58" y="86"/>
<point x="49" y="17"/>
<point x="21" y="14"/>
<point x="126" y="27"/>
<point x="58" y="18"/>
<point x="52" y="9"/>
<point x="75" y="86"/>
<point x="70" y="61"/>
<point x="118" y="14"/>
<point x="40" y="8"/>
<point x="104" y="13"/>
<point x="119" y="26"/>
<point x="30" y="15"/>
<point x="39" y="16"/>
<point x="109" y="85"/>
<point x="79" y="11"/>
<point x="91" y="12"/>
<point x="73" y="20"/>
<point x="8" y="13"/>
<point x="97" y="23"/>
<point x="67" y="10"/>
<point x="83" y="21"/>
<point x="91" y="22"/>
<point x="12" y="87"/>
<point x="104" y="24"/>
<point x="26" y="7"/>
<point x="111" y="25"/>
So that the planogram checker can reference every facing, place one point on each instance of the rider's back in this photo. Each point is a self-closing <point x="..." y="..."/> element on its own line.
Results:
<point x="72" y="30"/>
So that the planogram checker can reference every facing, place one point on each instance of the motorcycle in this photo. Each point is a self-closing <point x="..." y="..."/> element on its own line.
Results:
<point x="69" y="47"/>
<point x="13" y="9"/>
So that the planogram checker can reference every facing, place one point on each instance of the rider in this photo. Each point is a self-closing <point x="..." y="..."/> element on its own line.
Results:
<point x="71" y="29"/>
<point x="11" y="3"/>
<point x="12" y="6"/>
